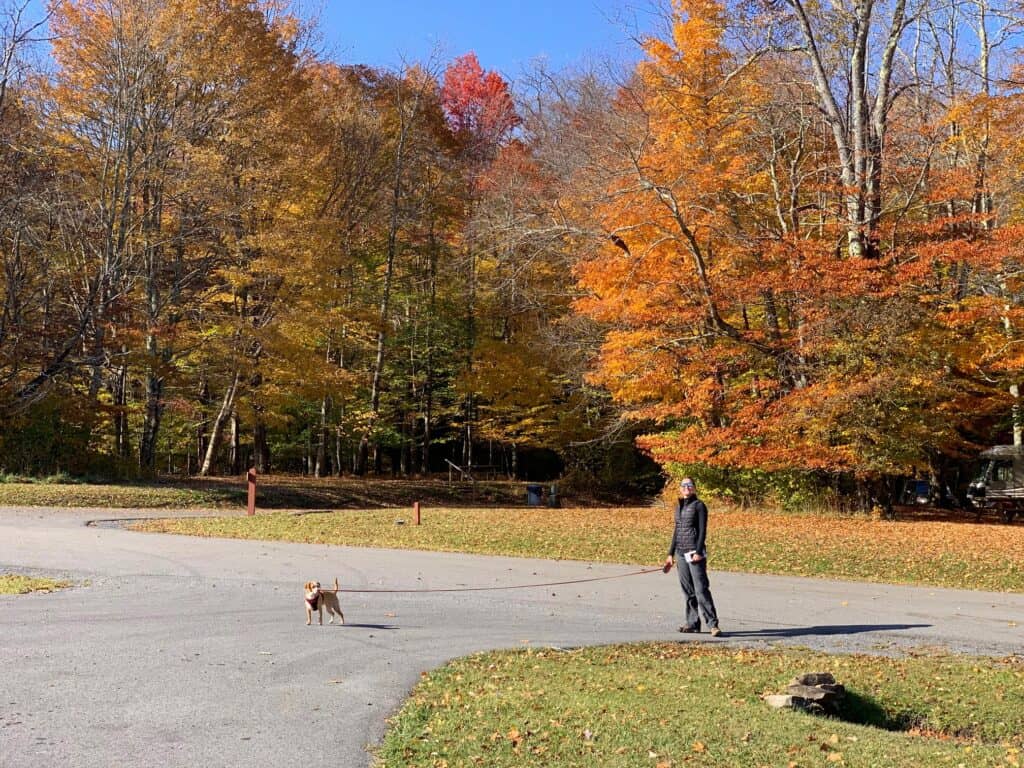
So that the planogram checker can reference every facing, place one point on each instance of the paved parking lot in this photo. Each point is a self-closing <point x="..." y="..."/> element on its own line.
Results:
<point x="175" y="651"/>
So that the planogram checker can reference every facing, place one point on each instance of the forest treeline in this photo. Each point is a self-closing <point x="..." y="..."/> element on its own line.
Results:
<point x="786" y="243"/>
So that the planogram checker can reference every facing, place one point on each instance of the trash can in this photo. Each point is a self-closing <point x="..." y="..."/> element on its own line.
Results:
<point x="553" y="496"/>
<point x="534" y="495"/>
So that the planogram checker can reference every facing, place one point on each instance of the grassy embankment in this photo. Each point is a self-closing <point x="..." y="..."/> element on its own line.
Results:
<point x="662" y="705"/>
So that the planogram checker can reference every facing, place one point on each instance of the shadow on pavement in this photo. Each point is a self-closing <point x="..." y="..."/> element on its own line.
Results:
<point x="369" y="626"/>
<point x="826" y="629"/>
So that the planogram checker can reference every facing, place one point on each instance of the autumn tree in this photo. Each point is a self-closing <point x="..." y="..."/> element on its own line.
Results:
<point x="788" y="239"/>
<point x="40" y="334"/>
<point x="482" y="116"/>
<point x="152" y="103"/>
<point x="721" y="245"/>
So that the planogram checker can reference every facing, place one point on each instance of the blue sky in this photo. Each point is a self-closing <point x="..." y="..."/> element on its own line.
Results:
<point x="505" y="35"/>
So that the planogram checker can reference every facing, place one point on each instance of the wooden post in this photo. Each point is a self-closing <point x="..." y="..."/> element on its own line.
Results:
<point x="416" y="512"/>
<point x="250" y="476"/>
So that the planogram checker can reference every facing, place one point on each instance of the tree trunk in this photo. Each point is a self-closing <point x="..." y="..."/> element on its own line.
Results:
<point x="407" y="120"/>
<point x="428" y="382"/>
<point x="467" y="445"/>
<point x="321" y="469"/>
<point x="860" y="137"/>
<point x="204" y="418"/>
<point x="226" y="409"/>
<point x="361" y="456"/>
<point x="236" y="445"/>
<point x="405" y="450"/>
<point x="260" y="448"/>
<point x="122" y="441"/>
<point x="151" y="420"/>
<point x="425" y="449"/>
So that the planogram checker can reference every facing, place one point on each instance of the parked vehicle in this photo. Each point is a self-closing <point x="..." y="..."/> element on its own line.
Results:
<point x="924" y="493"/>
<point x="916" y="492"/>
<point x="999" y="485"/>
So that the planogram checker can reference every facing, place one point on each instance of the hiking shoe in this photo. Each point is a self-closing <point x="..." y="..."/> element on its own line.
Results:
<point x="689" y="629"/>
<point x="715" y="631"/>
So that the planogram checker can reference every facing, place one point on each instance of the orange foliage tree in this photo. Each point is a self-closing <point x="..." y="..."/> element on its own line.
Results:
<point x="737" y="317"/>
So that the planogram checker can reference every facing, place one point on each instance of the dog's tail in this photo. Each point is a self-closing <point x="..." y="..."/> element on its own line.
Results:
<point x="336" y="587"/>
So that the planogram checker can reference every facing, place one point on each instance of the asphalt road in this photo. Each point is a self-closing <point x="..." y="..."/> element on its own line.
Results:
<point x="173" y="651"/>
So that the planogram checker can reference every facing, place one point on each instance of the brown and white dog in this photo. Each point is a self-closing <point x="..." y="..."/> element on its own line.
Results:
<point x="318" y="598"/>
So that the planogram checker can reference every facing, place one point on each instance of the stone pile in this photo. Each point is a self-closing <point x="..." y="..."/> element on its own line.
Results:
<point x="815" y="692"/>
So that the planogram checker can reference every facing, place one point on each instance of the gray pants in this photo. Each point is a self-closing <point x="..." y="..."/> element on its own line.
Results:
<point x="693" y="578"/>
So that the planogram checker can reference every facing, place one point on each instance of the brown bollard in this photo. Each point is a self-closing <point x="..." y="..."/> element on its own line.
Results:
<point x="250" y="476"/>
<point x="416" y="511"/>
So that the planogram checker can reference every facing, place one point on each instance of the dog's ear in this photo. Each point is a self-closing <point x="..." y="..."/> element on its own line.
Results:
<point x="308" y="586"/>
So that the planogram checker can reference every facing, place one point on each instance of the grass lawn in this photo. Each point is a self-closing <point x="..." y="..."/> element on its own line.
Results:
<point x="13" y="584"/>
<point x="116" y="495"/>
<point x="949" y="553"/>
<point x="274" y="492"/>
<point x="662" y="705"/>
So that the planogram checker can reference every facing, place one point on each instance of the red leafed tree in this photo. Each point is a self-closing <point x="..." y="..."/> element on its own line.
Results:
<point x="478" y="105"/>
